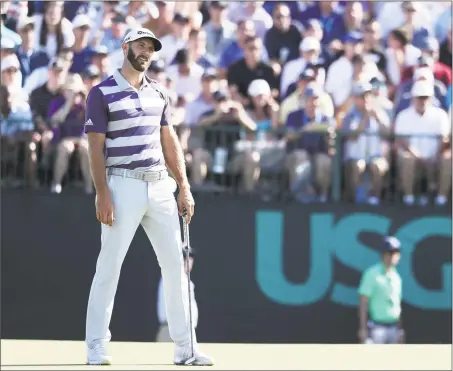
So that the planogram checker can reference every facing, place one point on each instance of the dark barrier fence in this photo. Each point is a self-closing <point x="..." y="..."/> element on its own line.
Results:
<point x="285" y="273"/>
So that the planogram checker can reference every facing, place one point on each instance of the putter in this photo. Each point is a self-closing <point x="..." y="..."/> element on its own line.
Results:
<point x="186" y="246"/>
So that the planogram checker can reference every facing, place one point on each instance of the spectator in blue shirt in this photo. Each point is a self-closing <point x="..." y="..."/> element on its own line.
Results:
<point x="219" y="30"/>
<point x="83" y="54"/>
<point x="234" y="51"/>
<point x="330" y="17"/>
<point x="309" y="159"/>
<point x="114" y="36"/>
<point x="101" y="60"/>
<point x="196" y="47"/>
<point x="29" y="58"/>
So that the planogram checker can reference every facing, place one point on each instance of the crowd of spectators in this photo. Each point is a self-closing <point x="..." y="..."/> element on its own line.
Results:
<point x="268" y="96"/>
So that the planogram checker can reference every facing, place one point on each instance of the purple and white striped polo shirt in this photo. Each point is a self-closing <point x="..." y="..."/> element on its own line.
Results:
<point x="131" y="120"/>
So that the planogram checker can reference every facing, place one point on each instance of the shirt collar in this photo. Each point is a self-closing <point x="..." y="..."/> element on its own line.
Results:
<point x="124" y="84"/>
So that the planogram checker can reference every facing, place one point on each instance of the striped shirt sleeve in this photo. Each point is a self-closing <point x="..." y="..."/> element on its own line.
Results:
<point x="96" y="117"/>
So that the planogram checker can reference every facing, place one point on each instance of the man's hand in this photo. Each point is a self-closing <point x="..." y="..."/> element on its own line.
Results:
<point x="186" y="204"/>
<point x="363" y="335"/>
<point x="104" y="208"/>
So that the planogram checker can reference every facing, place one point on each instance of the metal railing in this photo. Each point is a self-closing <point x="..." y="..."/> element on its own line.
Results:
<point x="24" y="163"/>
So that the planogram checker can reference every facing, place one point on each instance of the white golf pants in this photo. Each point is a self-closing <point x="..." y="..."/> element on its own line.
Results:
<point x="151" y="204"/>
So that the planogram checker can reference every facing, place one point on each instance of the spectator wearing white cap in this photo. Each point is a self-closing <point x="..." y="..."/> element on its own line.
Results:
<point x="264" y="110"/>
<point x="309" y="148"/>
<point x="29" y="57"/>
<point x="310" y="49"/>
<point x="251" y="67"/>
<point x="18" y="125"/>
<point x="67" y="115"/>
<point x="53" y="31"/>
<point x="7" y="47"/>
<point x="429" y="47"/>
<point x="83" y="54"/>
<point x="423" y="131"/>
<point x="366" y="149"/>
<point x="403" y="96"/>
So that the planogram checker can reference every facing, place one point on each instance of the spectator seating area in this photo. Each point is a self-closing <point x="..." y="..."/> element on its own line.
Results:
<point x="309" y="101"/>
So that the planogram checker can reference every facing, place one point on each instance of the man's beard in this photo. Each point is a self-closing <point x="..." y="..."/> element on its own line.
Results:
<point x="136" y="64"/>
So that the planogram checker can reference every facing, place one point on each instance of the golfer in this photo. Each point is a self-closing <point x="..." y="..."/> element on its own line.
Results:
<point x="129" y="117"/>
<point x="380" y="298"/>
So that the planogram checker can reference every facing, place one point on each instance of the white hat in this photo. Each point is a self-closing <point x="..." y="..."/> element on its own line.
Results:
<point x="423" y="89"/>
<point x="423" y="72"/>
<point x="258" y="87"/>
<point x="10" y="61"/>
<point x="7" y="43"/>
<point x="140" y="33"/>
<point x="81" y="20"/>
<point x="309" y="43"/>
<point x="23" y="22"/>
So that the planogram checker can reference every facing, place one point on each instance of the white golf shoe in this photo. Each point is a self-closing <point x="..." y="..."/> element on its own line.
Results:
<point x="183" y="357"/>
<point x="97" y="355"/>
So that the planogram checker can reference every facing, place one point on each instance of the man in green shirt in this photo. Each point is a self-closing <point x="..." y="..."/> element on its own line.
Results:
<point x="380" y="298"/>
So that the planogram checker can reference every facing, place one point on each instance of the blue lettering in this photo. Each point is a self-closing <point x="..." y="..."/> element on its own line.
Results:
<point x="413" y="293"/>
<point x="354" y="254"/>
<point x="269" y="260"/>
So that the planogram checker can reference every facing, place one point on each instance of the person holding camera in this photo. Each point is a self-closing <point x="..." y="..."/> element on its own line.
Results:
<point x="66" y="115"/>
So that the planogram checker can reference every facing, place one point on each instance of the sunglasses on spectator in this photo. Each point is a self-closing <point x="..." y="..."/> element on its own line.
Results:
<point x="423" y="98"/>
<point x="281" y="16"/>
<point x="10" y="71"/>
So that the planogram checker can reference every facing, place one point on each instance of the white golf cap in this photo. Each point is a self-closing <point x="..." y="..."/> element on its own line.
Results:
<point x="10" y="61"/>
<point x="310" y="43"/>
<point x="81" y="20"/>
<point x="423" y="89"/>
<point x="423" y="73"/>
<point x="23" y="22"/>
<point x="140" y="33"/>
<point x="258" y="87"/>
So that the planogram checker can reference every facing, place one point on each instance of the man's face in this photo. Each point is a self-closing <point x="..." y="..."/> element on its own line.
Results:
<point x="372" y="33"/>
<point x="312" y="103"/>
<point x="421" y="103"/>
<point x="54" y="14"/>
<point x="82" y="34"/>
<point x="354" y="13"/>
<point x="27" y="35"/>
<point x="118" y="30"/>
<point x="253" y="50"/>
<point x="57" y="76"/>
<point x="327" y="6"/>
<point x="391" y="258"/>
<point x="217" y="13"/>
<point x="140" y="53"/>
<point x="245" y="30"/>
<point x="9" y="76"/>
<point x="282" y="17"/>
<point x="352" y="48"/>
<point x="410" y="15"/>
<point x="209" y="85"/>
<point x="197" y="43"/>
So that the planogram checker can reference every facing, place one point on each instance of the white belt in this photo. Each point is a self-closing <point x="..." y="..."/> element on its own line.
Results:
<point x="147" y="176"/>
